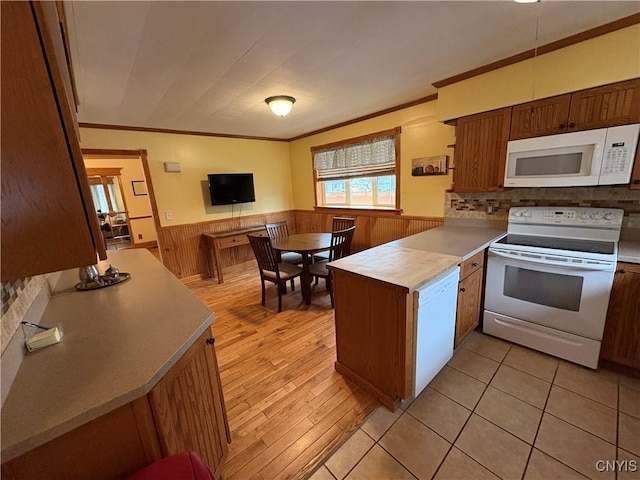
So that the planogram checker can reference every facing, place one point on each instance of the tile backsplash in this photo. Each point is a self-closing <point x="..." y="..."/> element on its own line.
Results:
<point x="17" y="298"/>
<point x="496" y="205"/>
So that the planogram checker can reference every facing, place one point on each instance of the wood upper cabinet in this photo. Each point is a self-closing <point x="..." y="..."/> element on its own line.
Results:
<point x="606" y="106"/>
<point x="188" y="407"/>
<point x="621" y="338"/>
<point x="542" y="117"/>
<point x="48" y="219"/>
<point x="600" y="107"/>
<point x="481" y="151"/>
<point x="469" y="296"/>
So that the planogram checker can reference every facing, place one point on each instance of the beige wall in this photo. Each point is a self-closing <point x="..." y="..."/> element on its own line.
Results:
<point x="185" y="194"/>
<point x="137" y="205"/>
<point x="422" y="136"/>
<point x="605" y="59"/>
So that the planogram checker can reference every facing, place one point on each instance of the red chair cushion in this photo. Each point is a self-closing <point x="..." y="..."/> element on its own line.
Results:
<point x="182" y="466"/>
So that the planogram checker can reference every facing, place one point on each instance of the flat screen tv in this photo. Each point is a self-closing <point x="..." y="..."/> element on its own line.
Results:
<point x="229" y="188"/>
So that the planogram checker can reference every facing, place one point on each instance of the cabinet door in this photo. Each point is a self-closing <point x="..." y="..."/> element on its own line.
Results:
<point x="481" y="151"/>
<point x="607" y="106"/>
<point x="622" y="331"/>
<point x="48" y="222"/>
<point x="468" y="314"/>
<point x="188" y="406"/>
<point x="542" y="117"/>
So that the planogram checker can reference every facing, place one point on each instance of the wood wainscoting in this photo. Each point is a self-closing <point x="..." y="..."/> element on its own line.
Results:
<point x="372" y="228"/>
<point x="185" y="254"/>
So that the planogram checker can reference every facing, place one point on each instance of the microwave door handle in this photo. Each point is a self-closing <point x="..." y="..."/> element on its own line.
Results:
<point x="547" y="261"/>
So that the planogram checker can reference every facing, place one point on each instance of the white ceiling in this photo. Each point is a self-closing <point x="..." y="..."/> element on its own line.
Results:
<point x="208" y="66"/>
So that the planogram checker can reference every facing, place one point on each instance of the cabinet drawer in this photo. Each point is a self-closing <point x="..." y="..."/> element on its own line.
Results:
<point x="472" y="264"/>
<point x="228" y="242"/>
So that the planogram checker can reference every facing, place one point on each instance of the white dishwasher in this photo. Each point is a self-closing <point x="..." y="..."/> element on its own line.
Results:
<point x="436" y="325"/>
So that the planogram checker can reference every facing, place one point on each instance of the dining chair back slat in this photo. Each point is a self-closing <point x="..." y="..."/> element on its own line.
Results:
<point x="270" y="269"/>
<point x="341" y="243"/>
<point x="342" y="223"/>
<point x="277" y="230"/>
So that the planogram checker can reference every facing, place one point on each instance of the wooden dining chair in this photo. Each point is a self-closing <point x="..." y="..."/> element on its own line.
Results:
<point x="340" y="247"/>
<point x="339" y="223"/>
<point x="279" y="231"/>
<point x="272" y="270"/>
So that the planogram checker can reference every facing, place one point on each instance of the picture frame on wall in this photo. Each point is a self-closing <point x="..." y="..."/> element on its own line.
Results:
<point x="427" y="166"/>
<point x="139" y="187"/>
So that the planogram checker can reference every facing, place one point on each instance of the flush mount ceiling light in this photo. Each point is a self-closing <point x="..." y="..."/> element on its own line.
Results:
<point x="280" y="104"/>
<point x="526" y="1"/>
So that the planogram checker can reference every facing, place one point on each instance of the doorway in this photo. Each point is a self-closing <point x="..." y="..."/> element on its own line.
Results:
<point x="123" y="197"/>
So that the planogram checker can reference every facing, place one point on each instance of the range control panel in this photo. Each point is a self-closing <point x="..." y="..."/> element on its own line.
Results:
<point x="578" y="216"/>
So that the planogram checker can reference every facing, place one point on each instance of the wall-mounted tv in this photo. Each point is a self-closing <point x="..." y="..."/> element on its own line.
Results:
<point x="229" y="188"/>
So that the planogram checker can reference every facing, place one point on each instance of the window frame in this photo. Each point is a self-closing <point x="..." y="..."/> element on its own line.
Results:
<point x="316" y="183"/>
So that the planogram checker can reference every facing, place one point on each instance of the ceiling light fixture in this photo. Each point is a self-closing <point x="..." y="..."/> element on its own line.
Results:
<point x="280" y="104"/>
<point x="526" y="1"/>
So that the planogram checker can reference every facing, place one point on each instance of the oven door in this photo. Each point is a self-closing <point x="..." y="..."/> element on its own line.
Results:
<point x="539" y="290"/>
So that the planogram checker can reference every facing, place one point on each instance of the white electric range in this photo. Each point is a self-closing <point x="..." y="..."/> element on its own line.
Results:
<point x="549" y="280"/>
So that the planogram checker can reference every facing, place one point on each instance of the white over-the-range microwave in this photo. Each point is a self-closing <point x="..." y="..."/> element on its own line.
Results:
<point x="593" y="157"/>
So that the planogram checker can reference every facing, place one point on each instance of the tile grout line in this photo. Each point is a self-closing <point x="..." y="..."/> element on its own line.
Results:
<point x="544" y="408"/>
<point x="471" y="415"/>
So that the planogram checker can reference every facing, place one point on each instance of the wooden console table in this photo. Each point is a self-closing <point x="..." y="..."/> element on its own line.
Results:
<point x="216" y="241"/>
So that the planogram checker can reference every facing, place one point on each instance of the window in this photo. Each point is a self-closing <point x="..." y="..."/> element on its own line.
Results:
<point x="359" y="173"/>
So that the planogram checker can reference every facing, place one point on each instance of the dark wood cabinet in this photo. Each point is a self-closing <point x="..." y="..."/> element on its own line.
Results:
<point x="600" y="107"/>
<point x="548" y="116"/>
<point x="621" y="338"/>
<point x="48" y="219"/>
<point x="469" y="297"/>
<point x="481" y="150"/>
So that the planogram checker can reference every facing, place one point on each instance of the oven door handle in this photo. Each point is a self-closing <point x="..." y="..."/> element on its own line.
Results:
<point x="549" y="260"/>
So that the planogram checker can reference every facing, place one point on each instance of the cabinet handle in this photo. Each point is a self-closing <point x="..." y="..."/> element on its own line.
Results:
<point x="571" y="125"/>
<point x="500" y="186"/>
<point x="621" y="271"/>
<point x="474" y="264"/>
<point x="463" y="289"/>
<point x="636" y="182"/>
<point x="562" y="126"/>
<point x="211" y="341"/>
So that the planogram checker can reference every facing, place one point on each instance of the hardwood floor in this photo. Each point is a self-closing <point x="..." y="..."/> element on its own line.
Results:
<point x="288" y="409"/>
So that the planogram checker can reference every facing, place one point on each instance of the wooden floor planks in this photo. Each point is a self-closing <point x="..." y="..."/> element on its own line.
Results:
<point x="287" y="406"/>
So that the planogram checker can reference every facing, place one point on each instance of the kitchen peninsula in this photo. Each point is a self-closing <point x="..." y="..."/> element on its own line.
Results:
<point x="134" y="379"/>
<point x="376" y="303"/>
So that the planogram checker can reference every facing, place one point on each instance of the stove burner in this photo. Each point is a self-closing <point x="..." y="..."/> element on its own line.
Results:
<point x="574" y="245"/>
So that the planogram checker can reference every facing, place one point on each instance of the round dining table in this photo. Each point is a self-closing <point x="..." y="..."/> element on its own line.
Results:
<point x="306" y="244"/>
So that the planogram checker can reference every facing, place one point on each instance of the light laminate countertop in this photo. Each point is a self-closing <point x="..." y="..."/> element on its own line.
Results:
<point x="118" y="342"/>
<point x="406" y="268"/>
<point x="629" y="251"/>
<point x="415" y="260"/>
<point x="457" y="241"/>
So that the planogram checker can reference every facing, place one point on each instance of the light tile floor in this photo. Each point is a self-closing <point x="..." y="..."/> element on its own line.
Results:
<point x="498" y="410"/>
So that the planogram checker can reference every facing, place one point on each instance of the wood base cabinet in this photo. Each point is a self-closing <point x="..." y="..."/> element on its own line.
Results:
<point x="469" y="296"/>
<point x="375" y="343"/>
<point x="621" y="338"/>
<point x="184" y="412"/>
